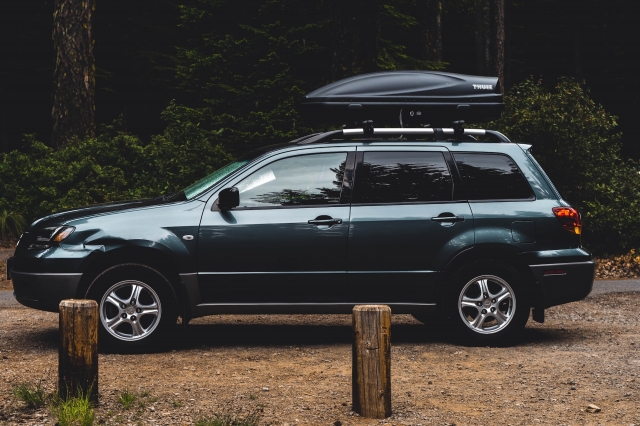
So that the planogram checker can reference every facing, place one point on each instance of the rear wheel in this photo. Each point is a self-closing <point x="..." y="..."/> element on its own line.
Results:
<point x="136" y="306"/>
<point x="488" y="302"/>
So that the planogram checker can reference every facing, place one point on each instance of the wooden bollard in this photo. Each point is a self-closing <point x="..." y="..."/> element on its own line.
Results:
<point x="78" y="359"/>
<point x="371" y="370"/>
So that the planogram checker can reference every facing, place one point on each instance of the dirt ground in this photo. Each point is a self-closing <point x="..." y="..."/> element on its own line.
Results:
<point x="296" y="370"/>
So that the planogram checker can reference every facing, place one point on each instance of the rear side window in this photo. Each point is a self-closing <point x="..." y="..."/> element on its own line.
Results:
<point x="492" y="177"/>
<point x="398" y="177"/>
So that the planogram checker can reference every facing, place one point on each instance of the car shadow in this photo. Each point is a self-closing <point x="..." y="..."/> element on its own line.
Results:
<point x="247" y="335"/>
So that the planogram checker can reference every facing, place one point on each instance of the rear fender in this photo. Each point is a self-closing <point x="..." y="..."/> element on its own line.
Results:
<point x="503" y="253"/>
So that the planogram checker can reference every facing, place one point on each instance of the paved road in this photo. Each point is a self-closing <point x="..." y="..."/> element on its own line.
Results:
<point x="599" y="287"/>
<point x="615" y="286"/>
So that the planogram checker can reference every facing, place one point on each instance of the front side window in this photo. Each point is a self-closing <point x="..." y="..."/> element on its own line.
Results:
<point x="492" y="177"/>
<point x="314" y="179"/>
<point x="398" y="177"/>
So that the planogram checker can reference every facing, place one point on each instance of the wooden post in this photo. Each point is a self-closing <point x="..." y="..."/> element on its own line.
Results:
<point x="78" y="359"/>
<point x="371" y="371"/>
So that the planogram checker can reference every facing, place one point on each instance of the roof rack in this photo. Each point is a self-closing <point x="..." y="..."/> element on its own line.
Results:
<point x="440" y="134"/>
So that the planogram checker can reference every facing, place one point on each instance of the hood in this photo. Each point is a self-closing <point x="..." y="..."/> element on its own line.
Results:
<point x="64" y="216"/>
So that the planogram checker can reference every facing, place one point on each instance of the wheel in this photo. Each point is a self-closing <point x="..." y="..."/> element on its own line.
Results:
<point x="488" y="302"/>
<point x="135" y="304"/>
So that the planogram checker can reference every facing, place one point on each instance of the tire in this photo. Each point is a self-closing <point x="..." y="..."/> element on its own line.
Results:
<point x="487" y="302"/>
<point x="136" y="307"/>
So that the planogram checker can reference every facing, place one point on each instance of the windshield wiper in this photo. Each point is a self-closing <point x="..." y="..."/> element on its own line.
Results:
<point x="173" y="196"/>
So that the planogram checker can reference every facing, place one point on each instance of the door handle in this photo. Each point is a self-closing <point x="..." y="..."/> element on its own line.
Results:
<point x="448" y="218"/>
<point x="326" y="222"/>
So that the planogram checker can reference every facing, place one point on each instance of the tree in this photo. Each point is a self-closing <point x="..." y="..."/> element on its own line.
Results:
<point x="577" y="143"/>
<point x="74" y="73"/>
<point x="490" y="38"/>
<point x="431" y="26"/>
<point x="356" y="35"/>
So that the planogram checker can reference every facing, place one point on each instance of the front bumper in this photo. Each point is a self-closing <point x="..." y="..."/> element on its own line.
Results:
<point x="42" y="291"/>
<point x="564" y="282"/>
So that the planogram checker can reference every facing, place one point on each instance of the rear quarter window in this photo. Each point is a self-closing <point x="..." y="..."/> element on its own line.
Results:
<point x="492" y="177"/>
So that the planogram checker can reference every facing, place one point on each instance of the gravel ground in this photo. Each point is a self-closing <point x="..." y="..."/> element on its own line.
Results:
<point x="296" y="370"/>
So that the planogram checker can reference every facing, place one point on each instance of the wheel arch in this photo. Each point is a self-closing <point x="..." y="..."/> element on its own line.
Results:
<point x="500" y="253"/>
<point x="152" y="258"/>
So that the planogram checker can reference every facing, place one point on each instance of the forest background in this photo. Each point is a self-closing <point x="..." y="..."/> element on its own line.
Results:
<point x="183" y="86"/>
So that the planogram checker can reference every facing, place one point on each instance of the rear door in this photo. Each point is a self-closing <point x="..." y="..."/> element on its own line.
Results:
<point x="407" y="222"/>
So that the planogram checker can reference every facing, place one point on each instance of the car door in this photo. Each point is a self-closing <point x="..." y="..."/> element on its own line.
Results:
<point x="287" y="240"/>
<point x="407" y="222"/>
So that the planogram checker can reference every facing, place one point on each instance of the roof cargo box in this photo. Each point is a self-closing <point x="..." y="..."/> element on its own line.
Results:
<point x="423" y="97"/>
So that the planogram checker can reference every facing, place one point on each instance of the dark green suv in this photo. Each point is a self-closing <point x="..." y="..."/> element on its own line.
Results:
<point x="461" y="224"/>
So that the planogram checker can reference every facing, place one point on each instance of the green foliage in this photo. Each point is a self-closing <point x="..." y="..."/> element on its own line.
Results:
<point x="33" y="396"/>
<point x="11" y="224"/>
<point x="575" y="141"/>
<point x="398" y="48"/>
<point x="76" y="411"/>
<point x="127" y="399"/>
<point x="249" y="69"/>
<point x="241" y="64"/>
<point x="226" y="419"/>
<point x="113" y="166"/>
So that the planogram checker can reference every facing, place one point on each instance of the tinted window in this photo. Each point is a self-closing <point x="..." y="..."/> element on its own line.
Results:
<point x="302" y="180"/>
<point x="492" y="177"/>
<point x="396" y="177"/>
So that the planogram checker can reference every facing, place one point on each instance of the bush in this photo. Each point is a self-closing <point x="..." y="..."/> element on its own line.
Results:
<point x="113" y="166"/>
<point x="575" y="141"/>
<point x="76" y="411"/>
<point x="33" y="396"/>
<point x="11" y="224"/>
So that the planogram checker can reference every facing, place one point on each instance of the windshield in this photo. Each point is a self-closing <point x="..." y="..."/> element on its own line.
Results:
<point x="213" y="178"/>
<point x="208" y="181"/>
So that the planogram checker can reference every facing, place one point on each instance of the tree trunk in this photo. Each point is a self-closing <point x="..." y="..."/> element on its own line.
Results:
<point x="577" y="47"/>
<point x="74" y="71"/>
<point x="432" y="30"/>
<point x="490" y="38"/>
<point x="497" y="7"/>
<point x="356" y="36"/>
<point x="483" y="36"/>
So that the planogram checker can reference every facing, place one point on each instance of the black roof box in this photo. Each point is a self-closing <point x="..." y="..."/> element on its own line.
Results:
<point x="426" y="97"/>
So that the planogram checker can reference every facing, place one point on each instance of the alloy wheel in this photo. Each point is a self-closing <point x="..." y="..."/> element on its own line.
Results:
<point x="487" y="304"/>
<point x="130" y="310"/>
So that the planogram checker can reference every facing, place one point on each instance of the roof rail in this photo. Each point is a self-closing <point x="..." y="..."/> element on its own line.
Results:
<point x="441" y="134"/>
<point x="499" y="137"/>
<point x="318" y="137"/>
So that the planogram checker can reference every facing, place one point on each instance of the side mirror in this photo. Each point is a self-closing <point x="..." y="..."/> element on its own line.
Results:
<point x="228" y="198"/>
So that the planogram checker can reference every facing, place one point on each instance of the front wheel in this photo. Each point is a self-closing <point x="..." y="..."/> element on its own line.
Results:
<point x="135" y="306"/>
<point x="488" y="302"/>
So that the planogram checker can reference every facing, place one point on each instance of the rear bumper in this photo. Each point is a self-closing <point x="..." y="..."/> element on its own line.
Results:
<point x="43" y="291"/>
<point x="564" y="282"/>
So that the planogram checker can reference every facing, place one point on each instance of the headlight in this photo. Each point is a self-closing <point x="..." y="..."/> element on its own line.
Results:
<point x="47" y="236"/>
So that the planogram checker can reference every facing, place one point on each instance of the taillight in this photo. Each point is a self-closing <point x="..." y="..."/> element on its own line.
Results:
<point x="569" y="218"/>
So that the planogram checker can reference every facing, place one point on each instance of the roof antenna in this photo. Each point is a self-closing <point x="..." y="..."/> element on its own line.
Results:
<point x="401" y="126"/>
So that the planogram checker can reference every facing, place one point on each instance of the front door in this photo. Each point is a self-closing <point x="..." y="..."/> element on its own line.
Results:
<point x="287" y="241"/>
